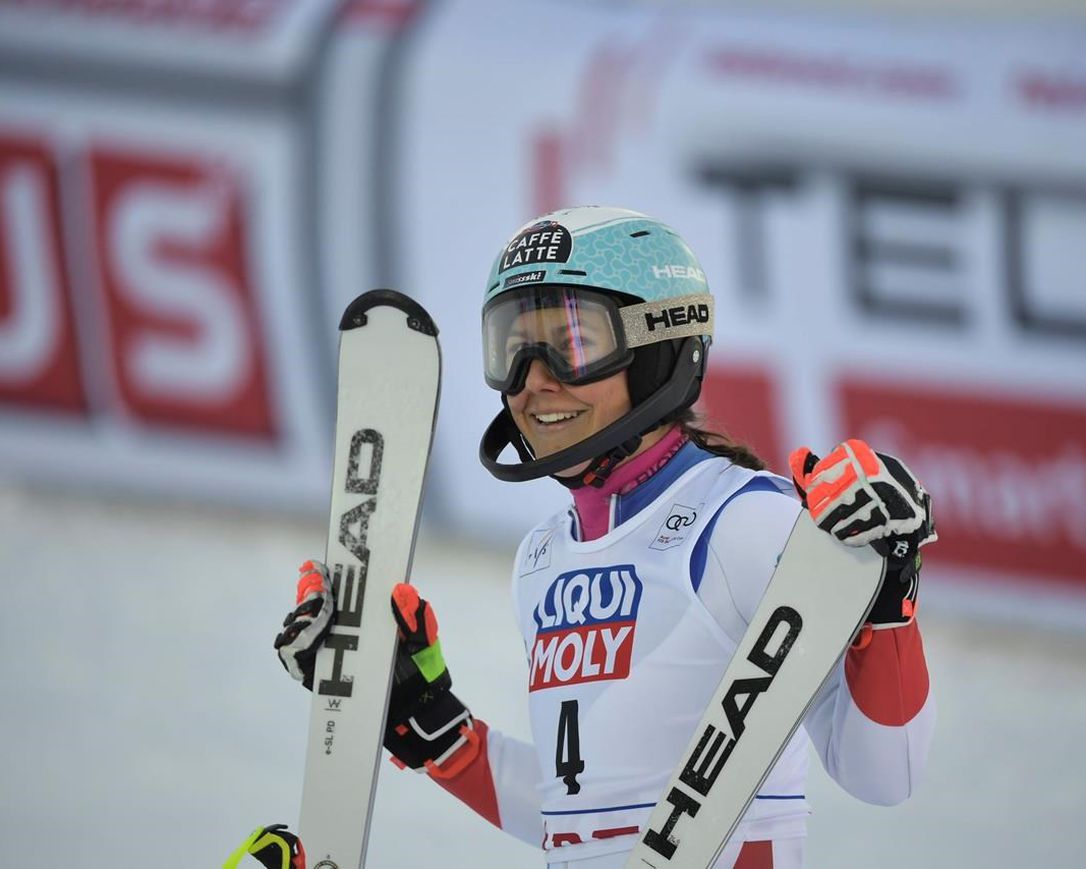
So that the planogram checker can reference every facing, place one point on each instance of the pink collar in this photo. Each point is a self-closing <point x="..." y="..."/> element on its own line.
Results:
<point x="593" y="505"/>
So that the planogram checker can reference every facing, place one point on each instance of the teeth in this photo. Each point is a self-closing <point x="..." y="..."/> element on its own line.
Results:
<point x="548" y="418"/>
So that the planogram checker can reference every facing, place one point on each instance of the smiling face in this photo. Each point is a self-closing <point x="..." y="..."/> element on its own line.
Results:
<point x="553" y="415"/>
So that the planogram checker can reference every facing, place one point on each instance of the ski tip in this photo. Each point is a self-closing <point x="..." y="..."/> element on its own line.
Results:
<point x="418" y="318"/>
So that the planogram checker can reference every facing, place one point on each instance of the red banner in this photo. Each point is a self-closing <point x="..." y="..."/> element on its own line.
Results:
<point x="1007" y="474"/>
<point x="39" y="363"/>
<point x="742" y="403"/>
<point x="187" y="346"/>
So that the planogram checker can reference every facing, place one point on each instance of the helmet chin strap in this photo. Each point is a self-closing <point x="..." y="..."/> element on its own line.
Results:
<point x="607" y="447"/>
<point x="600" y="468"/>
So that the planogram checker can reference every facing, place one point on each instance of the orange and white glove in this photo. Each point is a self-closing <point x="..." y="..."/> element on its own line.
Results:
<point x="861" y="497"/>
<point x="306" y="626"/>
<point x="427" y="726"/>
<point x="866" y="498"/>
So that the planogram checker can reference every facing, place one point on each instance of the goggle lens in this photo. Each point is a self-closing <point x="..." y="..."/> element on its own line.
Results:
<point x="576" y="332"/>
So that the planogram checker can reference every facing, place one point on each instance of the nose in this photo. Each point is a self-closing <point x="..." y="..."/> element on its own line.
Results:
<point x="540" y="378"/>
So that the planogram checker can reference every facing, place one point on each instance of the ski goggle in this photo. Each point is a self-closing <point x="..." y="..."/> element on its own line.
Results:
<point x="577" y="333"/>
<point x="581" y="335"/>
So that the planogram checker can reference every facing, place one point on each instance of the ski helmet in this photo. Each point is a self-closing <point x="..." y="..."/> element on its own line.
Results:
<point x="626" y="293"/>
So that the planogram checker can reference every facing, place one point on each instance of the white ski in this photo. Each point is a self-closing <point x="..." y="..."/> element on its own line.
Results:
<point x="815" y="603"/>
<point x="389" y="379"/>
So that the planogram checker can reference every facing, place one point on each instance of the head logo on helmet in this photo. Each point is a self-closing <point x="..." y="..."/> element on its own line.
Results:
<point x="615" y="265"/>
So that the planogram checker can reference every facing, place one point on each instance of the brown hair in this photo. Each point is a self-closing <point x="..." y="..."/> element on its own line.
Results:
<point x="692" y="424"/>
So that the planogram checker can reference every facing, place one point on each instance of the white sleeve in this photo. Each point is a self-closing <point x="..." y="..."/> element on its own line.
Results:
<point x="501" y="783"/>
<point x="515" y="772"/>
<point x="744" y="546"/>
<point x="872" y="722"/>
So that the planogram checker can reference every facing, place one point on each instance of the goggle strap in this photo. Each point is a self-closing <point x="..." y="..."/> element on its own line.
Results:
<point x="677" y="317"/>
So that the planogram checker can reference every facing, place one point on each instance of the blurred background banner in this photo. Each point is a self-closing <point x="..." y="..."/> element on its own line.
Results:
<point x="891" y="218"/>
<point x="158" y="330"/>
<point x="887" y="216"/>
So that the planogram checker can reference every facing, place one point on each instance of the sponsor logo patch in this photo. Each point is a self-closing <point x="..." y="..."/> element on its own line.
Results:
<point x="525" y="278"/>
<point x="544" y="242"/>
<point x="673" y="529"/>
<point x="538" y="554"/>
<point x="676" y="315"/>
<point x="585" y="627"/>
<point x="679" y="271"/>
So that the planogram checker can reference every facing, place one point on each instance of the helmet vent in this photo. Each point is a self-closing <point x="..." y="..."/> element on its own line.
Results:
<point x="639" y="234"/>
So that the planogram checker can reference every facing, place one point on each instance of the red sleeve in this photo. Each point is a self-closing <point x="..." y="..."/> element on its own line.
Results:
<point x="888" y="676"/>
<point x="474" y="784"/>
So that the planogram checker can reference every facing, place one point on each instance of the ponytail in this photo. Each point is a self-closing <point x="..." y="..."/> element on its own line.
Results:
<point x="718" y="443"/>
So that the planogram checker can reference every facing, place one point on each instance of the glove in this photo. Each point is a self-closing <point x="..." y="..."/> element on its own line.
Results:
<point x="306" y="627"/>
<point x="426" y="724"/>
<point x="866" y="498"/>
<point x="274" y="846"/>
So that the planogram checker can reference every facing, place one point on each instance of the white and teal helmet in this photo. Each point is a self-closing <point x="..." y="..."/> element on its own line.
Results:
<point x="593" y="291"/>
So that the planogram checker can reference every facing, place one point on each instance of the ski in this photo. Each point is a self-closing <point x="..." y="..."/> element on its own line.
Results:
<point x="816" y="601"/>
<point x="388" y="385"/>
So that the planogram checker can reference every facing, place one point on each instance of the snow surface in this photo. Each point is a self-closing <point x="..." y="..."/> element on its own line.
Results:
<point x="147" y="722"/>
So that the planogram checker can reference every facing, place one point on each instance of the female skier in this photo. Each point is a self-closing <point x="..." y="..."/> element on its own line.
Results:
<point x="596" y="326"/>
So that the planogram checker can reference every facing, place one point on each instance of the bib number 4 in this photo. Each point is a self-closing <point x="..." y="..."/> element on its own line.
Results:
<point x="567" y="758"/>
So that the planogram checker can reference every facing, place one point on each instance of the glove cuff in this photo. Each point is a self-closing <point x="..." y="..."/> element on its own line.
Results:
<point x="434" y="730"/>
<point x="895" y="605"/>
